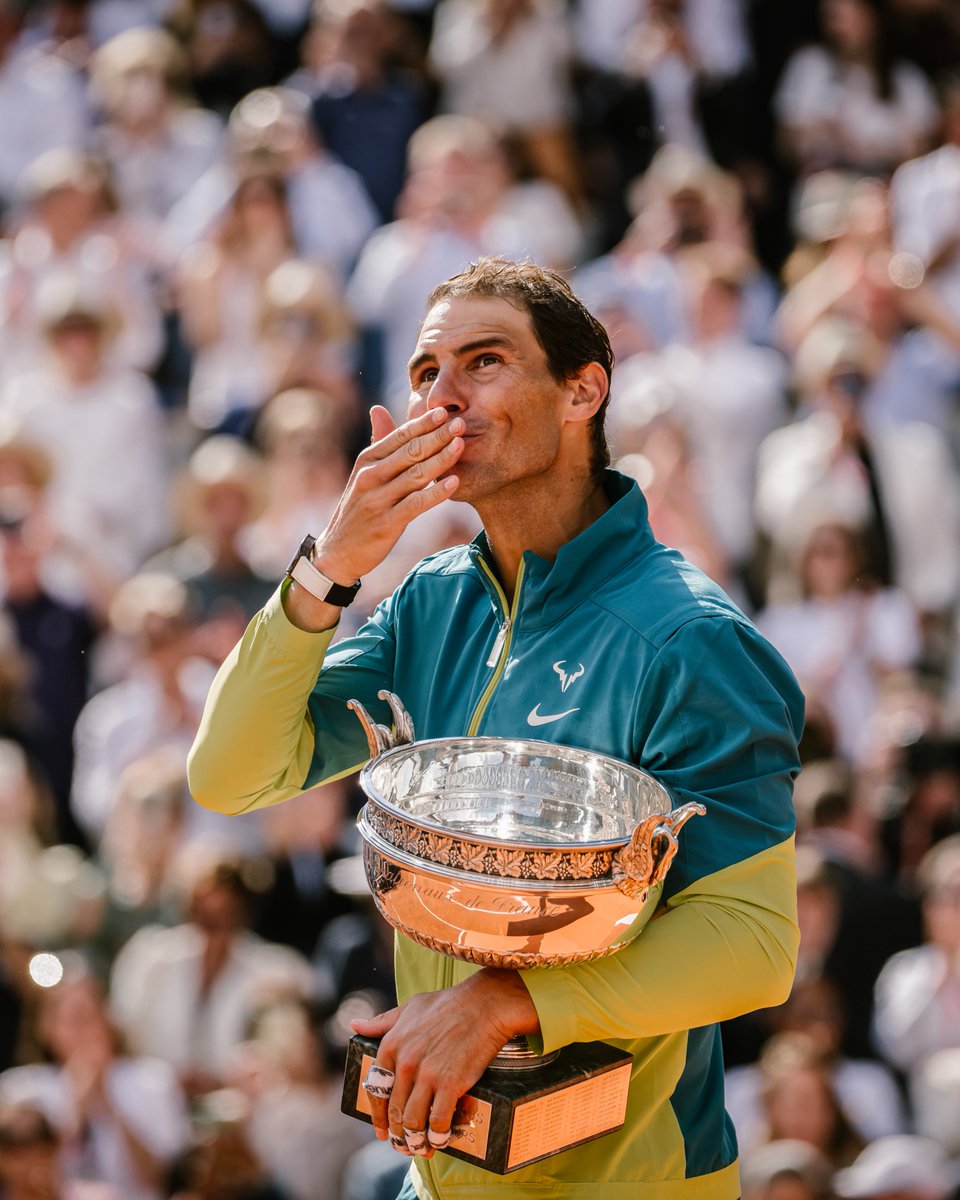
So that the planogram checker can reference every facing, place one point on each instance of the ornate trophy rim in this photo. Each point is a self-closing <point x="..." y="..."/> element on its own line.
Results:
<point x="533" y="746"/>
<point x="547" y="883"/>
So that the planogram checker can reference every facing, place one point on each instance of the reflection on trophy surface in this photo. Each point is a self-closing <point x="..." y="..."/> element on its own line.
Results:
<point x="515" y="853"/>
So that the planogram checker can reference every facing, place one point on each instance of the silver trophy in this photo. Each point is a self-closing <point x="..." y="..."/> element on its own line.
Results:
<point x="508" y="852"/>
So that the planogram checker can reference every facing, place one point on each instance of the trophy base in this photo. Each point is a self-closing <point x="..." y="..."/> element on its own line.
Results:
<point x="512" y="1118"/>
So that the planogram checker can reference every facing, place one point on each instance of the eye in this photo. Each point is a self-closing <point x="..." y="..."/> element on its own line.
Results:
<point x="427" y="375"/>
<point x="487" y="360"/>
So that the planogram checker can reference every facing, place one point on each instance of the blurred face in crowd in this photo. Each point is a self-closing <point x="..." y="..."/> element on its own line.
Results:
<point x="941" y="913"/>
<point x="831" y="563"/>
<point x="69" y="211"/>
<point x="800" y="1104"/>
<point x="78" y="344"/>
<point x="217" y="910"/>
<point x="849" y="24"/>
<point x="74" y="1018"/>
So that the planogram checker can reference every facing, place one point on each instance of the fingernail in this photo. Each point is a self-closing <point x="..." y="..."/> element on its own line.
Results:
<point x="439" y="415"/>
<point x="457" y="425"/>
<point x="450" y="483"/>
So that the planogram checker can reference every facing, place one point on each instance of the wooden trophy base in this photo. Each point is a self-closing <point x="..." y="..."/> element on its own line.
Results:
<point x="511" y="1118"/>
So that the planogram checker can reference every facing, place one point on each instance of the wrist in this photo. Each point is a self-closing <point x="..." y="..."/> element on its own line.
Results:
<point x="304" y="570"/>
<point x="508" y="993"/>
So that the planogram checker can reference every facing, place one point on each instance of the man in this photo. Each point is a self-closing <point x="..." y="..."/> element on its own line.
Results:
<point x="563" y="619"/>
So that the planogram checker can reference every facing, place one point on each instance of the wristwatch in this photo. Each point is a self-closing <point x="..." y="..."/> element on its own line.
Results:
<point x="301" y="569"/>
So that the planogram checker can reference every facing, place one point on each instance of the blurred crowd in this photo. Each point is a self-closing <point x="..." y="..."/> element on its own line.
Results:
<point x="219" y="220"/>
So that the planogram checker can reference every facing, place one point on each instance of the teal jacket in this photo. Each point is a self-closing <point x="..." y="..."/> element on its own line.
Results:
<point x="618" y="646"/>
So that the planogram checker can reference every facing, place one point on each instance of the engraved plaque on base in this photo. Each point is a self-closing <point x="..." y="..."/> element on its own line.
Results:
<point x="510" y="1119"/>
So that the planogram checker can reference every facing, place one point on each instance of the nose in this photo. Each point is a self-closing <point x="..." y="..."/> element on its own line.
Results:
<point x="446" y="392"/>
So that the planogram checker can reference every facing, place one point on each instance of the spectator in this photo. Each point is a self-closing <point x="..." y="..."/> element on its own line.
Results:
<point x="786" y="1170"/>
<point x="70" y="227"/>
<point x="144" y="835"/>
<point x="156" y="143"/>
<point x="269" y="133"/>
<point x="157" y="705"/>
<point x="925" y="202"/>
<point x="303" y="844"/>
<point x="364" y="108"/>
<point x="850" y="101"/>
<point x="30" y="1167"/>
<point x="221" y="293"/>
<point x="122" y="1119"/>
<point x="42" y="102"/>
<point x="221" y="491"/>
<point x="896" y="483"/>
<point x="730" y="393"/>
<point x="841" y="635"/>
<point x="228" y="48"/>
<point x="304" y="436"/>
<point x="683" y="200"/>
<point x="910" y="1168"/>
<point x="101" y="426"/>
<point x="488" y="52"/>
<point x="306" y="337"/>
<point x="918" y="992"/>
<point x="800" y="1101"/>
<point x="295" y="1126"/>
<point x="54" y="636"/>
<point x="187" y="994"/>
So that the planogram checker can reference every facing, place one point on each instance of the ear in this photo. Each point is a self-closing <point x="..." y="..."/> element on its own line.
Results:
<point x="586" y="392"/>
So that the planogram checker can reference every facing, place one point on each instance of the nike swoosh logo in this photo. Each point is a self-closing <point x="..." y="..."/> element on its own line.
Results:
<point x="535" y="717"/>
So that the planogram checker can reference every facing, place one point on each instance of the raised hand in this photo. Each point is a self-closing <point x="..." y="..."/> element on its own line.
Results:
<point x="396" y="478"/>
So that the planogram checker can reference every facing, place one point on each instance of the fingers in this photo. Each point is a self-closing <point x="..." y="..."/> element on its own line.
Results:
<point x="376" y="1027"/>
<point x="381" y="423"/>
<point x="412" y="442"/>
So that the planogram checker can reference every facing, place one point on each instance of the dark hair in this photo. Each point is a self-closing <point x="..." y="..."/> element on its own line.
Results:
<point x="23" y="1125"/>
<point x="570" y="335"/>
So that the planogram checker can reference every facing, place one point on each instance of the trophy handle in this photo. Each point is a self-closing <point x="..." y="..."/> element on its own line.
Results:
<point x="380" y="737"/>
<point x="646" y="858"/>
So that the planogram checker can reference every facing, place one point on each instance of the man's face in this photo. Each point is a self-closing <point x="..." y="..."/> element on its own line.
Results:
<point x="479" y="358"/>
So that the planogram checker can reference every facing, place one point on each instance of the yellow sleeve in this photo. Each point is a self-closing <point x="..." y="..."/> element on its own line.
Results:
<point x="725" y="945"/>
<point x="255" y="742"/>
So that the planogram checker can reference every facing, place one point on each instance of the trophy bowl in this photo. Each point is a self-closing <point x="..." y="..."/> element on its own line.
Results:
<point x="510" y="852"/>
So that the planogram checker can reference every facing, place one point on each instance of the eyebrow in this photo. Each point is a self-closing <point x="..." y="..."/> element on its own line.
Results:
<point x="484" y="343"/>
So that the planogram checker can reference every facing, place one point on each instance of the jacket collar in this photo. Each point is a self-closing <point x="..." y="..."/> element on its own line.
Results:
<point x="551" y="590"/>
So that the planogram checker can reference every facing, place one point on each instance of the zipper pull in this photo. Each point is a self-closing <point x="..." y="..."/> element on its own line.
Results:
<point x="498" y="644"/>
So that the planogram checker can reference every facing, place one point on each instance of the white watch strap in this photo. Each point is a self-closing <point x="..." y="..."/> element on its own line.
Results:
<point x="307" y="575"/>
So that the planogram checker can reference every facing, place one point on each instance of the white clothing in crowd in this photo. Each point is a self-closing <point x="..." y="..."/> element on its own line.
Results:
<point x="819" y="91"/>
<point x="715" y="29"/>
<point x="144" y="1091"/>
<point x="151" y="176"/>
<point x="483" y="77"/>
<point x="867" y="1092"/>
<point x="304" y="1140"/>
<point x="156" y="996"/>
<point x="43" y="105"/>
<point x="801" y="471"/>
<point x="331" y="214"/>
<point x="106" y="439"/>
<point x="729" y="394"/>
<point x="917" y="1006"/>
<point x="839" y="648"/>
<point x="130" y="720"/>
